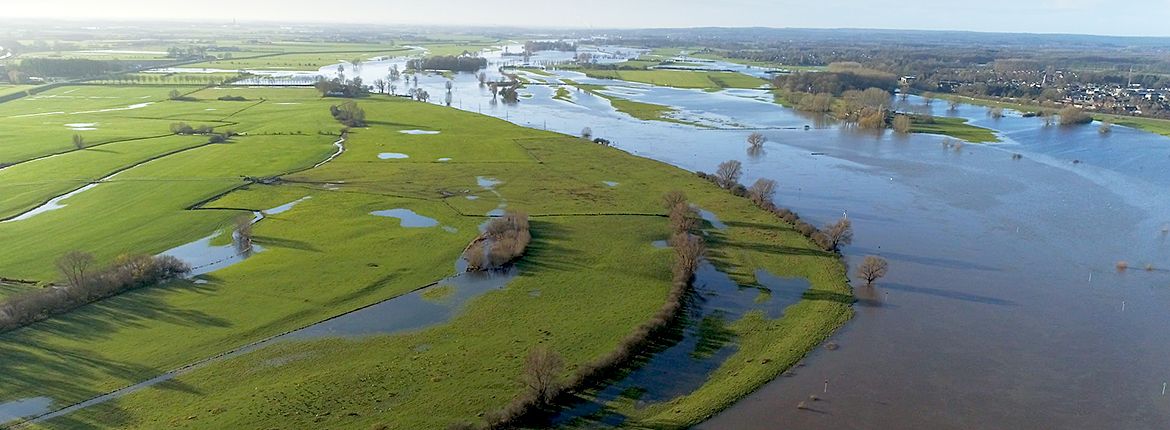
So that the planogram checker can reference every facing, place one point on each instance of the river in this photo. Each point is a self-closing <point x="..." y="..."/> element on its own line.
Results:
<point x="1003" y="308"/>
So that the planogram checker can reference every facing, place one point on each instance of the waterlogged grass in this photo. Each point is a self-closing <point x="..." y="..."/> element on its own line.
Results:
<point x="956" y="128"/>
<point x="681" y="78"/>
<point x="640" y="110"/>
<point x="591" y="260"/>
<point x="1152" y="125"/>
<point x="563" y="94"/>
<point x="302" y="61"/>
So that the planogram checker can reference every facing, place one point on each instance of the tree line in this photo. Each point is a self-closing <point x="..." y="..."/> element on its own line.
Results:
<point x="448" y="62"/>
<point x="84" y="283"/>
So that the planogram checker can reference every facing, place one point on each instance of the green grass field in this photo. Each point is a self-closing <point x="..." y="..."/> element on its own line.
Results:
<point x="597" y="276"/>
<point x="956" y="128"/>
<point x="640" y="110"/>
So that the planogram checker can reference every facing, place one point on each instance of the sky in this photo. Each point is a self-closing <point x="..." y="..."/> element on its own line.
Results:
<point x="1106" y="17"/>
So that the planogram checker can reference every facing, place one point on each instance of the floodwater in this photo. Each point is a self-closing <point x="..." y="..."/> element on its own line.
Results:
<point x="408" y="218"/>
<point x="988" y="317"/>
<point x="17" y="409"/>
<point x="392" y="156"/>
<point x="403" y="313"/>
<point x="419" y="132"/>
<point x="51" y="205"/>
<point x="683" y="360"/>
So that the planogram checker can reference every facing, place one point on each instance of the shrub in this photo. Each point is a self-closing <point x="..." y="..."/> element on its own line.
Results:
<point x="1073" y="116"/>
<point x="728" y="173"/>
<point x="503" y="241"/>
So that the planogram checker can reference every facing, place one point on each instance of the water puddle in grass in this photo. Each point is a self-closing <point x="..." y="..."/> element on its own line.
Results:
<point x="487" y="183"/>
<point x="610" y="184"/>
<point x="82" y="126"/>
<point x="444" y="159"/>
<point x="17" y="409"/>
<point x="395" y="315"/>
<point x="660" y="244"/>
<point x="51" y="205"/>
<point x="392" y="156"/>
<point x="286" y="207"/>
<point x="711" y="218"/>
<point x="418" y="132"/>
<point x="205" y="257"/>
<point x="131" y="107"/>
<point x="409" y="218"/>
<point x="681" y="360"/>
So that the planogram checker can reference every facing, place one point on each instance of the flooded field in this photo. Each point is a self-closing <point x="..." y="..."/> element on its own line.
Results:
<point x="988" y="317"/>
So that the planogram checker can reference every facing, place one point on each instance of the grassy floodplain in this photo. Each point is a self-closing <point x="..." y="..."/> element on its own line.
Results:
<point x="1152" y="125"/>
<point x="328" y="255"/>
<point x="956" y="128"/>
<point x="681" y="78"/>
<point x="639" y="110"/>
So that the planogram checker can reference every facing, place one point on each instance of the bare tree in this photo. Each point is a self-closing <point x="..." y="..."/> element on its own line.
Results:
<point x="995" y="112"/>
<point x="672" y="199"/>
<point x="586" y="133"/>
<point x="872" y="268"/>
<point x="78" y="141"/>
<point x="954" y="105"/>
<point x="756" y="140"/>
<point x="243" y="234"/>
<point x="902" y="123"/>
<point x="762" y="191"/>
<point x="688" y="251"/>
<point x="728" y="174"/>
<point x="73" y="267"/>
<point x="839" y="233"/>
<point x="542" y="373"/>
<point x="380" y="85"/>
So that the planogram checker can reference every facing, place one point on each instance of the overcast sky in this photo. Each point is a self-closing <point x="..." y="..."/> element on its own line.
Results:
<point x="1113" y="17"/>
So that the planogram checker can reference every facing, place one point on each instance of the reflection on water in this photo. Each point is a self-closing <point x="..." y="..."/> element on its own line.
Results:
<point x="681" y="361"/>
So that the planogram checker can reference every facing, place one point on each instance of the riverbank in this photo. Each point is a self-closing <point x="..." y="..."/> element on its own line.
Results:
<point x="566" y="297"/>
<point x="1152" y="125"/>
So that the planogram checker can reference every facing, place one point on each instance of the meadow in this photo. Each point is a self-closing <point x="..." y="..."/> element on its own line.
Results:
<point x="590" y="277"/>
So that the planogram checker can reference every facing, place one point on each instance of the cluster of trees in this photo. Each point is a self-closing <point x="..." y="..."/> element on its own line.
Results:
<point x="448" y="62"/>
<point x="349" y="113"/>
<point x="340" y="87"/>
<point x="231" y="98"/>
<point x="550" y="45"/>
<point x="1073" y="116"/>
<point x="762" y="192"/>
<point x="176" y="95"/>
<point x="84" y="283"/>
<point x="182" y="128"/>
<point x="66" y="67"/>
<point x="504" y="240"/>
<point x="836" y="82"/>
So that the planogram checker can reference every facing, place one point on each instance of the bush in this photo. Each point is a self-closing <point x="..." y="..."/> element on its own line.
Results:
<point x="1073" y="116"/>
<point x="83" y="287"/>
<point x="231" y="98"/>
<point x="503" y="241"/>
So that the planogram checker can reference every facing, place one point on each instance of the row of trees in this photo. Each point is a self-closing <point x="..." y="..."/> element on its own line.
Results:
<point x="340" y="87"/>
<point x="543" y="374"/>
<point x="84" y="283"/>
<point x="448" y="62"/>
<point x="66" y="67"/>
<point x="503" y="241"/>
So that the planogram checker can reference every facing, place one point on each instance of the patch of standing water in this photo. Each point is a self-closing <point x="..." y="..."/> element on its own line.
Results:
<point x="660" y="244"/>
<point x="204" y="258"/>
<point x="711" y="218"/>
<point x="408" y="312"/>
<point x="699" y="344"/>
<point x="418" y="132"/>
<point x="412" y="311"/>
<point x="285" y="207"/>
<point x="51" y="205"/>
<point x="610" y="184"/>
<point x="444" y="159"/>
<point x="486" y="182"/>
<point x="409" y="218"/>
<point x="392" y="156"/>
<point x="82" y="126"/>
<point x="17" y="409"/>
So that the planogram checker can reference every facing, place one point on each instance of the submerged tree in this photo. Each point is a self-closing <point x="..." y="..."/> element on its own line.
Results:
<point x="872" y="268"/>
<point x="839" y="233"/>
<point x="902" y="123"/>
<point x="756" y="140"/>
<point x="78" y="141"/>
<point x="243" y="234"/>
